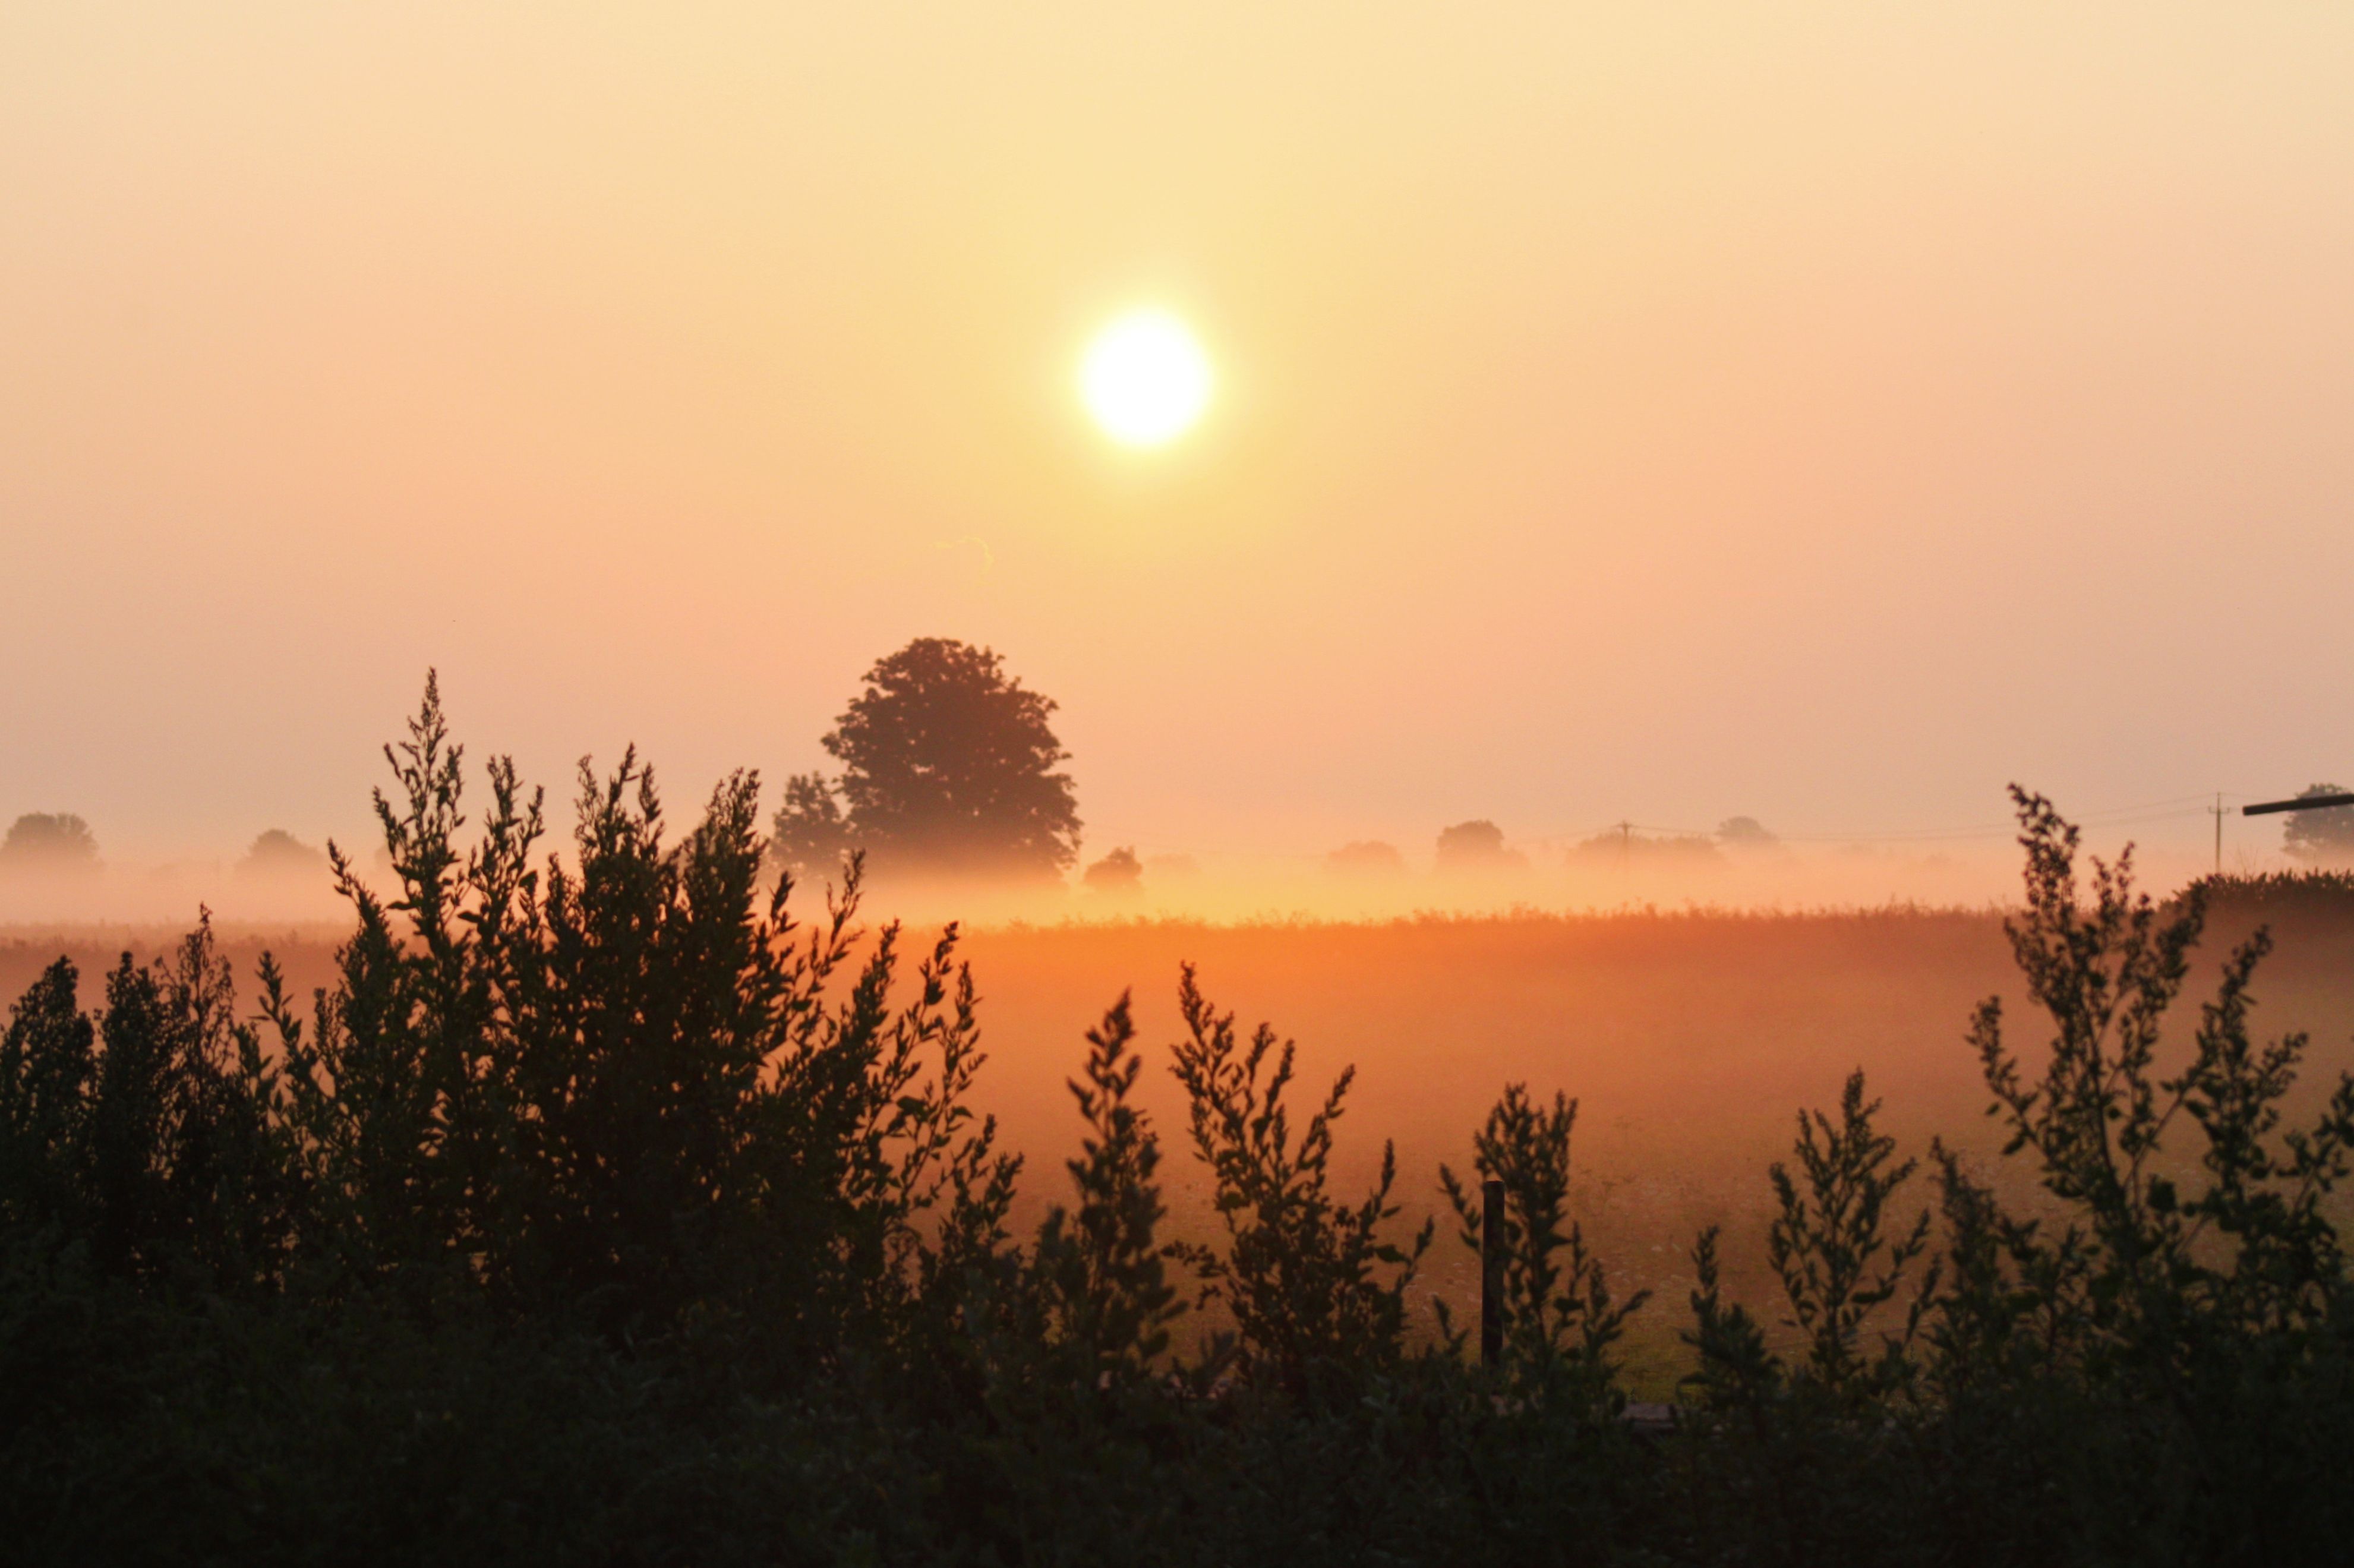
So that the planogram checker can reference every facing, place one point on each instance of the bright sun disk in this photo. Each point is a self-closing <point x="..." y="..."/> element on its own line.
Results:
<point x="1145" y="378"/>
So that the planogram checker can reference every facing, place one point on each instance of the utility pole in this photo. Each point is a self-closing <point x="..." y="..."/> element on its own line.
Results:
<point x="1625" y="843"/>
<point x="2216" y="812"/>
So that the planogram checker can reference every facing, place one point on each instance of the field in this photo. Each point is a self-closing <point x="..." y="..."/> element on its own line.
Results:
<point x="1690" y="1039"/>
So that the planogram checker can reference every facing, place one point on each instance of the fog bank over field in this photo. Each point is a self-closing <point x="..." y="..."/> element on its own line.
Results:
<point x="1690" y="1037"/>
<point x="950" y="785"/>
<point x="169" y="892"/>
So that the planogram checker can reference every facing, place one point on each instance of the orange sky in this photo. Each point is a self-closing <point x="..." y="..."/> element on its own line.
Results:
<point x="1824" y="412"/>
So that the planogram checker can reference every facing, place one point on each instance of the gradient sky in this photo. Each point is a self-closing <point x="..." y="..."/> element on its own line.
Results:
<point x="1824" y="412"/>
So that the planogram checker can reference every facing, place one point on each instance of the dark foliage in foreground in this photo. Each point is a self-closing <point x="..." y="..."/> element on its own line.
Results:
<point x="600" y="1213"/>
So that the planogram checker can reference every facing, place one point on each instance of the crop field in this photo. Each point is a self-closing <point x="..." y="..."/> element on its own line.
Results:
<point x="1689" y="1039"/>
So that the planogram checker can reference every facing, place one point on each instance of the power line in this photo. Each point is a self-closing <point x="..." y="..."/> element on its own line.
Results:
<point x="2174" y="807"/>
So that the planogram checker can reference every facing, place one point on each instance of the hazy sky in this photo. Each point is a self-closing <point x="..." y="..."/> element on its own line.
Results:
<point x="1824" y="412"/>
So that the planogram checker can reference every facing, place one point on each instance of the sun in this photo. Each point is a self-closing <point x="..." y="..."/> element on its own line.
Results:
<point x="1145" y="378"/>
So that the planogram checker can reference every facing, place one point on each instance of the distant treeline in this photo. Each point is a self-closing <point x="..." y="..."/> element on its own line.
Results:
<point x="603" y="1210"/>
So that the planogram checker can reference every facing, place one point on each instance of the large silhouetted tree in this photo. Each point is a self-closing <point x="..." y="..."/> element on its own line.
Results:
<point x="949" y="764"/>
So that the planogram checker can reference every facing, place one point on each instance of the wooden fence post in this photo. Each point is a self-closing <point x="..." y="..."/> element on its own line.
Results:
<point x="1492" y="1275"/>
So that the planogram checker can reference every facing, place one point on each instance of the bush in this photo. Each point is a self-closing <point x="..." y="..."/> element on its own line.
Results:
<point x="1315" y="1290"/>
<point x="1558" y="1311"/>
<point x="603" y="1211"/>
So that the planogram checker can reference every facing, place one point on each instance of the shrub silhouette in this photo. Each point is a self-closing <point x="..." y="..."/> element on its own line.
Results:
<point x="146" y="1132"/>
<point x="599" y="1209"/>
<point x="1558" y="1309"/>
<point x="2154" y="1252"/>
<point x="1099" y="1268"/>
<point x="614" y="1088"/>
<point x="2180" y="1345"/>
<point x="1830" y="1245"/>
<point x="1312" y="1285"/>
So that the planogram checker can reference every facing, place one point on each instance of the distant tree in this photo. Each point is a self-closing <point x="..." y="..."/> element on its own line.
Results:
<point x="45" y="840"/>
<point x="277" y="852"/>
<point x="1477" y="846"/>
<point x="2324" y="835"/>
<point x="1617" y="843"/>
<point x="1366" y="857"/>
<point x="810" y="833"/>
<point x="1745" y="833"/>
<point x="1118" y="875"/>
<point x="949" y="764"/>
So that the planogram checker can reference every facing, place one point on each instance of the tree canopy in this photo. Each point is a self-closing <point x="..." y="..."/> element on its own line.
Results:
<point x="1478" y="846"/>
<point x="275" y="852"/>
<point x="949" y="766"/>
<point x="1118" y="875"/>
<point x="810" y="834"/>
<point x="49" y="841"/>
<point x="1366" y="857"/>
<point x="2324" y="835"/>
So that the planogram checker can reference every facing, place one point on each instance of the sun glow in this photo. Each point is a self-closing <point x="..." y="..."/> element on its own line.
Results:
<point x="1145" y="379"/>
